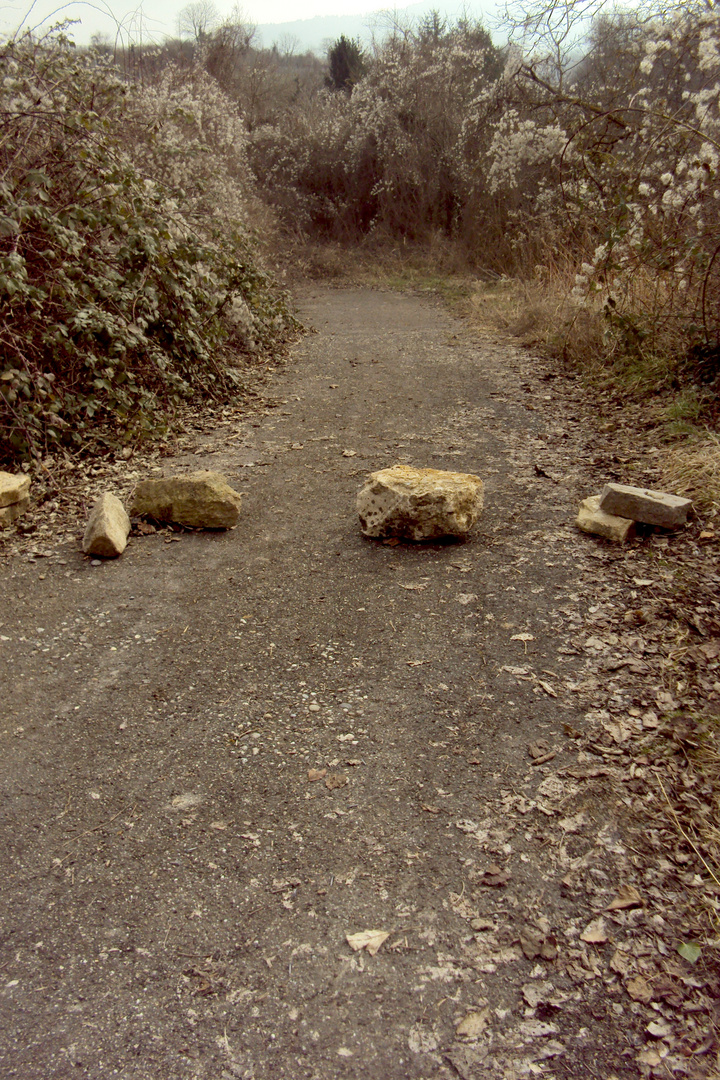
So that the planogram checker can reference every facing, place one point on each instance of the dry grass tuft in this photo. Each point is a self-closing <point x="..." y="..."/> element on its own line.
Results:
<point x="542" y="314"/>
<point x="693" y="469"/>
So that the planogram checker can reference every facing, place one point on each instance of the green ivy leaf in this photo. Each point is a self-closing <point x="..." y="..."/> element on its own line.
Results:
<point x="690" y="951"/>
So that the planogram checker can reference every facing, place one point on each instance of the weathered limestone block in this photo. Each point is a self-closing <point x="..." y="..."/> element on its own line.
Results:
<point x="107" y="529"/>
<point x="9" y="514"/>
<point x="650" y="507"/>
<point x="13" y="489"/>
<point x="419" y="504"/>
<point x="200" y="500"/>
<point x="592" y="519"/>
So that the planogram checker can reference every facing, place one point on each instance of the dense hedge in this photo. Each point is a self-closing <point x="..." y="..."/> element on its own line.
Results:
<point x="128" y="277"/>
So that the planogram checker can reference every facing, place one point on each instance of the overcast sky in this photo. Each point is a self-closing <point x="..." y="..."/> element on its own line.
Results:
<point x="158" y="18"/>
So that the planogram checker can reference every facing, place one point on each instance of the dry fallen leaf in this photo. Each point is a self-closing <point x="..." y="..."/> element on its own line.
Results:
<point x="538" y="993"/>
<point x="430" y="809"/>
<point x="537" y="942"/>
<point x="639" y="989"/>
<point x="316" y="774"/>
<point x="349" y="453"/>
<point x="524" y="638"/>
<point x="595" y="932"/>
<point x="547" y="687"/>
<point x="574" y="823"/>
<point x="483" y="923"/>
<point x="495" y="877"/>
<point x="473" y="1025"/>
<point x="659" y="1029"/>
<point x="335" y="780"/>
<point x="627" y="897"/>
<point x="371" y="940"/>
<point x="537" y="1029"/>
<point x="620" y="962"/>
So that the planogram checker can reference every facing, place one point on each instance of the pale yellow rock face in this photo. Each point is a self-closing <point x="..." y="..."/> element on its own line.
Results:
<point x="13" y="489"/>
<point x="107" y="529"/>
<point x="200" y="500"/>
<point x="9" y="514"/>
<point x="591" y="519"/>
<point x="419" y="504"/>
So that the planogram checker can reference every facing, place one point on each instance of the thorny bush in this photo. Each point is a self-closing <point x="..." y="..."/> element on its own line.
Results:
<point x="128" y="278"/>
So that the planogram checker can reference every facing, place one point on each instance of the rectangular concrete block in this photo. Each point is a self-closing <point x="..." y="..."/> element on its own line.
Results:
<point x="9" y="514"/>
<point x="13" y="488"/>
<point x="650" y="507"/>
<point x="592" y="519"/>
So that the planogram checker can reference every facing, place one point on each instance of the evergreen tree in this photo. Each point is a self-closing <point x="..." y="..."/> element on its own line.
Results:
<point x="346" y="61"/>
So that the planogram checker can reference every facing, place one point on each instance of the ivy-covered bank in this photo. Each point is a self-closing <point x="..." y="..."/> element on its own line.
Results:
<point x="129" y="280"/>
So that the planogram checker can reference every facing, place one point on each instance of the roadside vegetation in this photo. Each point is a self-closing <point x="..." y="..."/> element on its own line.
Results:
<point x="130" y="276"/>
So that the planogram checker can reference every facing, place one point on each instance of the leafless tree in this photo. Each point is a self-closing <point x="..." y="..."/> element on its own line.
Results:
<point x="198" y="19"/>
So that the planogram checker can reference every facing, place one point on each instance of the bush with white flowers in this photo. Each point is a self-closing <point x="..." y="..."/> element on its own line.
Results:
<point x="128" y="278"/>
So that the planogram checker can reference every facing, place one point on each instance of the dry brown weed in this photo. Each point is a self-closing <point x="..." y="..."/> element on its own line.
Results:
<point x="693" y="469"/>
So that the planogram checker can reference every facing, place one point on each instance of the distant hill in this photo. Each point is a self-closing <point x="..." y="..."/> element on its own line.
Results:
<point x="312" y="35"/>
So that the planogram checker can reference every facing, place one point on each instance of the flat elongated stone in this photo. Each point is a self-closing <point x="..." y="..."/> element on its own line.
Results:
<point x="419" y="504"/>
<point x="200" y="500"/>
<point x="650" y="507"/>
<point x="9" y="514"/>
<point x="13" y="488"/>
<point x="107" y="529"/>
<point x="591" y="519"/>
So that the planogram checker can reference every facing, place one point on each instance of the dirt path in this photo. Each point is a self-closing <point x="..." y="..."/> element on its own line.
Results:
<point x="224" y="754"/>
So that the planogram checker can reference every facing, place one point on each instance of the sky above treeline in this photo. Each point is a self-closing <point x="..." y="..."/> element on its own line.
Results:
<point x="158" y="19"/>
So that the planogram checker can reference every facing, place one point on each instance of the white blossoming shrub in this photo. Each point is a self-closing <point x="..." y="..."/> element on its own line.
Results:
<point x="656" y="197"/>
<point x="387" y="156"/>
<point x="128" y="280"/>
<point x="628" y="167"/>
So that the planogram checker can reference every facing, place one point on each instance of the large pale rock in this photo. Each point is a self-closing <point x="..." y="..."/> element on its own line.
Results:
<point x="13" y="489"/>
<point x="9" y="514"/>
<point x="200" y="500"/>
<point x="107" y="529"/>
<point x="419" y="504"/>
<point x="650" y="507"/>
<point x="591" y="519"/>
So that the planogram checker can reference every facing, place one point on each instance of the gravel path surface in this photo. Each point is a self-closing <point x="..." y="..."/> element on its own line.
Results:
<point x="224" y="754"/>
